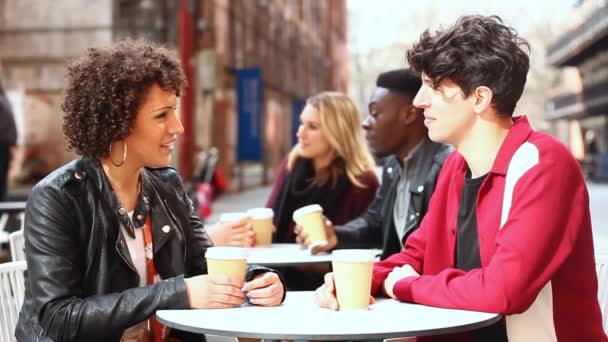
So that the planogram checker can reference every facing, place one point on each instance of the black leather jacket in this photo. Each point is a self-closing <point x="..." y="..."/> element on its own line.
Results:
<point x="376" y="227"/>
<point x="81" y="283"/>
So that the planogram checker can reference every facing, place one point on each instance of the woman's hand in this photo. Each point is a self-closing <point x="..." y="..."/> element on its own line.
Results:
<point x="214" y="291"/>
<point x="265" y="289"/>
<point x="237" y="233"/>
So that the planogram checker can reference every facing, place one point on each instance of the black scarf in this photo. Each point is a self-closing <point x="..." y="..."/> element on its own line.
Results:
<point x="298" y="191"/>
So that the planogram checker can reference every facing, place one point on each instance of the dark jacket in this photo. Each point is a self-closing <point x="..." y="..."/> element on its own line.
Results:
<point x="376" y="228"/>
<point x="82" y="285"/>
<point x="7" y="121"/>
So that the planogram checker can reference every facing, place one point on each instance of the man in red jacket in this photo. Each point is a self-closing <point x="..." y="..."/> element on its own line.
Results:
<point x="508" y="229"/>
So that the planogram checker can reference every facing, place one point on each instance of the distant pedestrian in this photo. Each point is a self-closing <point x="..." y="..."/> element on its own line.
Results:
<point x="8" y="138"/>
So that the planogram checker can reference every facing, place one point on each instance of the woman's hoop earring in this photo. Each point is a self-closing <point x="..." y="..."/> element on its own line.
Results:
<point x="124" y="155"/>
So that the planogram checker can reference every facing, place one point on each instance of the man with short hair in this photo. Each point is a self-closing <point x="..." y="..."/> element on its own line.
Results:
<point x="394" y="130"/>
<point x="508" y="229"/>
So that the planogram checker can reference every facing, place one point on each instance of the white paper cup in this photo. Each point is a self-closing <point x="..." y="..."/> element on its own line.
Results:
<point x="353" y="277"/>
<point x="261" y="219"/>
<point x="230" y="261"/>
<point x="310" y="218"/>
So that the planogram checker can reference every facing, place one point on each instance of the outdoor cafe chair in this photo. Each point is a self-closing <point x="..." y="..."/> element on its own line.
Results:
<point x="16" y="241"/>
<point x="11" y="297"/>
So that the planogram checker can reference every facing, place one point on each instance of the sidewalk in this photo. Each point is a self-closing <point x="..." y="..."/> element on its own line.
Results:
<point x="598" y="205"/>
<point x="239" y="202"/>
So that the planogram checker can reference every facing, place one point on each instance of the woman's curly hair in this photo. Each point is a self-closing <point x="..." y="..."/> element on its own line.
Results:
<point x="105" y="88"/>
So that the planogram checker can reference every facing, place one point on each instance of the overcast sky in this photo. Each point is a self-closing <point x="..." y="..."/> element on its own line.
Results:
<point x="378" y="23"/>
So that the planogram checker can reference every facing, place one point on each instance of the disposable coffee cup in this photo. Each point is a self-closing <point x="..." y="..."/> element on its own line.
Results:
<point x="261" y="219"/>
<point x="230" y="261"/>
<point x="353" y="277"/>
<point x="310" y="218"/>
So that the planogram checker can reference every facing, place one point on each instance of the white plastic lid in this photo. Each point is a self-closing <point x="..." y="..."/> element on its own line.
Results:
<point x="353" y="255"/>
<point x="231" y="217"/>
<point x="260" y="213"/>
<point x="307" y="210"/>
<point x="226" y="253"/>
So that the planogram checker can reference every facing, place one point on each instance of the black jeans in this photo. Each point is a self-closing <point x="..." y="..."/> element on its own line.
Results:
<point x="5" y="162"/>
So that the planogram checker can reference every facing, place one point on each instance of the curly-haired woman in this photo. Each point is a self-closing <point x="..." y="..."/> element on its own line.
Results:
<point x="111" y="237"/>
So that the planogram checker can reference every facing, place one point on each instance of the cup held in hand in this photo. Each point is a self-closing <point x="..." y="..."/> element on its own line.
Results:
<point x="261" y="219"/>
<point x="310" y="218"/>
<point x="353" y="277"/>
<point x="230" y="261"/>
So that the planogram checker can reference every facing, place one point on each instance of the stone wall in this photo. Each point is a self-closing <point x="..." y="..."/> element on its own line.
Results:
<point x="37" y="39"/>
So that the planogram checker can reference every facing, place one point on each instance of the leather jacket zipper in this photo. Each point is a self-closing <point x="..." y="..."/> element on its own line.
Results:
<point x="120" y="245"/>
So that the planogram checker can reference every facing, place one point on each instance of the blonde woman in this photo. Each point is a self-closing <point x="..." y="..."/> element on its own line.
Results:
<point x="330" y="165"/>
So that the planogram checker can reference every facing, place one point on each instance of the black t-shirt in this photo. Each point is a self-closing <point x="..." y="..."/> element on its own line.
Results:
<point x="467" y="249"/>
<point x="467" y="243"/>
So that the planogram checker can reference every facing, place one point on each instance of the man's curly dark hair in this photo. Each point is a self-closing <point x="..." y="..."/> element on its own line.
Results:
<point x="476" y="51"/>
<point x="105" y="88"/>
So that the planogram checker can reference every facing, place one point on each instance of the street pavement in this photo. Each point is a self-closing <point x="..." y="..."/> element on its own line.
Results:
<point x="598" y="203"/>
<point x="239" y="202"/>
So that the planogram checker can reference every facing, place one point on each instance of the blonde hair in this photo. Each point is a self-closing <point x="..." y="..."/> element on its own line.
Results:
<point x="341" y="126"/>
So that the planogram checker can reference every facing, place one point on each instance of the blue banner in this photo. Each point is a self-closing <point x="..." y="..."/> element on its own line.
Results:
<point x="249" y="106"/>
<point x="296" y="109"/>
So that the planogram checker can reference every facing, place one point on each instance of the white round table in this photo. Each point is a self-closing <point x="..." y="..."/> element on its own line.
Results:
<point x="284" y="254"/>
<point x="299" y="318"/>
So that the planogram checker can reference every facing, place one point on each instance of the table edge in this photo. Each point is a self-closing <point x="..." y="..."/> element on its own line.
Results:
<point x="365" y="336"/>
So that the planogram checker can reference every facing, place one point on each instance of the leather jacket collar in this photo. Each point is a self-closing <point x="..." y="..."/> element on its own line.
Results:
<point x="152" y="200"/>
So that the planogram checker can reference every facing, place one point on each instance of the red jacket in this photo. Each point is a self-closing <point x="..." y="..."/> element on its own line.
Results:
<point x="535" y="243"/>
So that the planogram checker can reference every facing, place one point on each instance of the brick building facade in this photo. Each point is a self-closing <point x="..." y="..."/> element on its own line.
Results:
<point x="582" y="100"/>
<point x="300" y="46"/>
